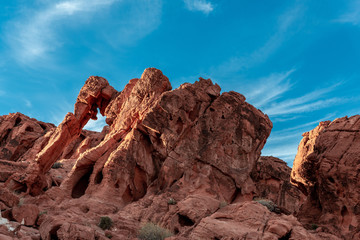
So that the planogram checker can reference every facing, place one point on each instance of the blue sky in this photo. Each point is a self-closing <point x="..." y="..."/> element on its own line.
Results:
<point x="298" y="61"/>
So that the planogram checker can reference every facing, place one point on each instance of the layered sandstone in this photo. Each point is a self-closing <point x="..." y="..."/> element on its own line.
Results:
<point x="327" y="169"/>
<point x="186" y="159"/>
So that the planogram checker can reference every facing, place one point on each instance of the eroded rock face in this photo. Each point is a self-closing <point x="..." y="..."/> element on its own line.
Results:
<point x="178" y="158"/>
<point x="326" y="168"/>
<point x="18" y="134"/>
<point x="272" y="180"/>
<point x="250" y="220"/>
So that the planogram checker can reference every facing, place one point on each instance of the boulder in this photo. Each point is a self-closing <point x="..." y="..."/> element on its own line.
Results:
<point x="326" y="169"/>
<point x="27" y="213"/>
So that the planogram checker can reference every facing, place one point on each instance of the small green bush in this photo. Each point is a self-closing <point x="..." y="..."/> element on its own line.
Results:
<point x="314" y="226"/>
<point x="267" y="203"/>
<point x="105" y="223"/>
<point x="222" y="204"/>
<point x="57" y="165"/>
<point x="151" y="231"/>
<point x="171" y="201"/>
<point x="42" y="213"/>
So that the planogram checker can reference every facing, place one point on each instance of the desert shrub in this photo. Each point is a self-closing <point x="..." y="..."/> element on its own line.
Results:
<point x="108" y="235"/>
<point x="57" y="165"/>
<point x="222" y="204"/>
<point x="21" y="202"/>
<point x="171" y="201"/>
<point x="267" y="203"/>
<point x="151" y="231"/>
<point x="105" y="223"/>
<point x="314" y="226"/>
<point x="42" y="213"/>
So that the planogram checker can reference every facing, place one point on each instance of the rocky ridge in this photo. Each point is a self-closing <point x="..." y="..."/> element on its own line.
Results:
<point x="186" y="159"/>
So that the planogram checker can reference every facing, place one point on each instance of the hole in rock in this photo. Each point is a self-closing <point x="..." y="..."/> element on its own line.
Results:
<point x="286" y="236"/>
<point x="176" y="231"/>
<point x="81" y="186"/>
<point x="236" y="193"/>
<point x="29" y="129"/>
<point x="19" y="188"/>
<point x="42" y="126"/>
<point x="216" y="238"/>
<point x="54" y="183"/>
<point x="96" y="125"/>
<point x="53" y="232"/>
<point x="17" y="121"/>
<point x="85" y="209"/>
<point x="98" y="177"/>
<point x="185" y="220"/>
<point x="331" y="179"/>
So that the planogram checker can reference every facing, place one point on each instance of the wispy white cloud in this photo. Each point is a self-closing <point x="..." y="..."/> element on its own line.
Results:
<point x="97" y="125"/>
<point x="260" y="55"/>
<point x="59" y="111"/>
<point x="283" y="143"/>
<point x="353" y="15"/>
<point x="36" y="33"/>
<point x="260" y="95"/>
<point x="312" y="101"/>
<point x="28" y="103"/>
<point x="285" y="152"/>
<point x="2" y="92"/>
<point x="199" y="5"/>
<point x="31" y="37"/>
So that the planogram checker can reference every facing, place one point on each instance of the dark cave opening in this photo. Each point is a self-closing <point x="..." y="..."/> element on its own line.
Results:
<point x="81" y="186"/>
<point x="53" y="232"/>
<point x="185" y="220"/>
<point x="99" y="177"/>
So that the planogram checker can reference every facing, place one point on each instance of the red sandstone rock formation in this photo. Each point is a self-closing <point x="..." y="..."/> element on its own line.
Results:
<point x="250" y="220"/>
<point x="327" y="169"/>
<point x="18" y="134"/>
<point x="186" y="159"/>
<point x="272" y="180"/>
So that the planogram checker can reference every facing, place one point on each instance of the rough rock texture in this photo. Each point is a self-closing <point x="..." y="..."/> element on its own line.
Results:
<point x="178" y="158"/>
<point x="327" y="169"/>
<point x="18" y="134"/>
<point x="250" y="220"/>
<point x="272" y="179"/>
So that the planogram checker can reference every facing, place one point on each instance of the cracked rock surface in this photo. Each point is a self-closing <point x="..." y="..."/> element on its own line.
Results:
<point x="186" y="159"/>
<point x="327" y="170"/>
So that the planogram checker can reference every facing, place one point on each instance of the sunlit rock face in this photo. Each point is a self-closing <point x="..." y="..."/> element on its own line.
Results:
<point x="184" y="159"/>
<point x="326" y="168"/>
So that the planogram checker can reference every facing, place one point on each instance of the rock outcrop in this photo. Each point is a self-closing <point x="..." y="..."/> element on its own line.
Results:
<point x="18" y="135"/>
<point x="272" y="179"/>
<point x="326" y="169"/>
<point x="186" y="159"/>
<point x="250" y="220"/>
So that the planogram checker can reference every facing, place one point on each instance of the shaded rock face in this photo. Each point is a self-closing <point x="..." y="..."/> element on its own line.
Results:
<point x="18" y="134"/>
<point x="272" y="180"/>
<point x="184" y="159"/>
<point x="326" y="168"/>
